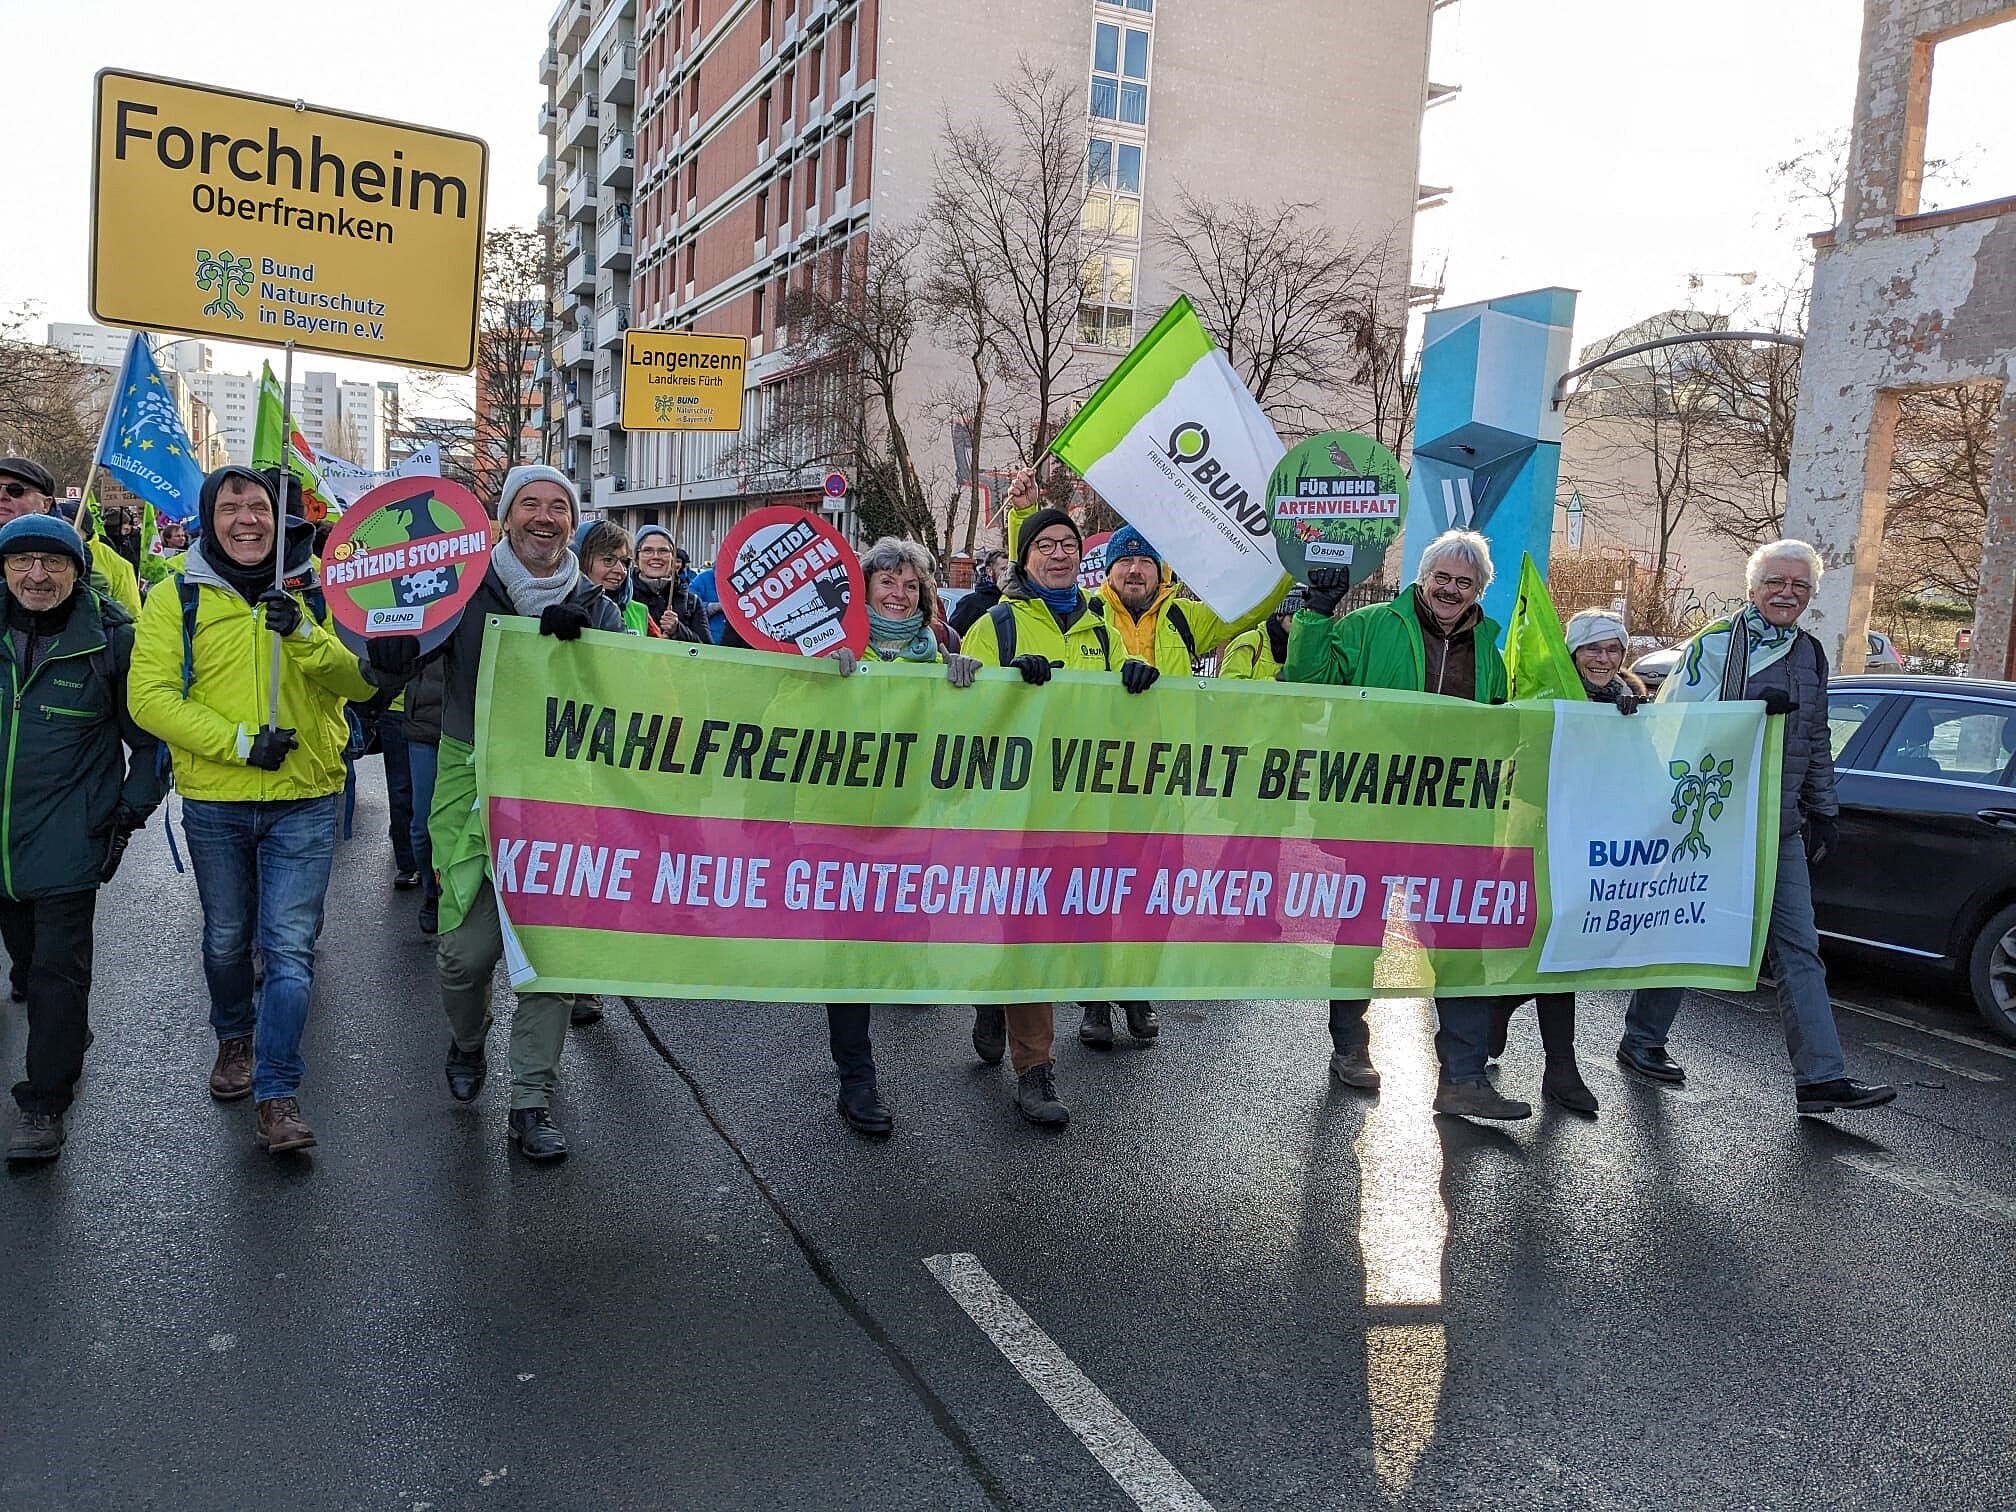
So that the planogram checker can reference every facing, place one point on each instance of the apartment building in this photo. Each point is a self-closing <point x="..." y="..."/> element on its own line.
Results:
<point x="705" y="154"/>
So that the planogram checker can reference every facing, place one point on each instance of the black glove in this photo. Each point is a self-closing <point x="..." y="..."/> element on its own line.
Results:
<point x="1327" y="585"/>
<point x="1035" y="670"/>
<point x="393" y="657"/>
<point x="115" y="835"/>
<point x="1138" y="676"/>
<point x="1822" y="831"/>
<point x="283" y="611"/>
<point x="1627" y="703"/>
<point x="270" y="748"/>
<point x="563" y="621"/>
<point x="1778" y="701"/>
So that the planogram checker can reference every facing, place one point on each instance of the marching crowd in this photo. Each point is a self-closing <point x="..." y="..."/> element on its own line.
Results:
<point x="113" y="693"/>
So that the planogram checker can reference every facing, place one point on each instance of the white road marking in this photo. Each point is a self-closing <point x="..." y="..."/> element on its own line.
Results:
<point x="1933" y="1061"/>
<point x="1134" y="1463"/>
<point x="1947" y="1191"/>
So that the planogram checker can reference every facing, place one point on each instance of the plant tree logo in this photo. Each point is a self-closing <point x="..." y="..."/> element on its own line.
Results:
<point x="1698" y="794"/>
<point x="224" y="273"/>
<point x="662" y="406"/>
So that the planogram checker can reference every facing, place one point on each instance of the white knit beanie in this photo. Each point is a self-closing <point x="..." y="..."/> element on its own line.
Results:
<point x="1593" y="625"/>
<point x="535" y="472"/>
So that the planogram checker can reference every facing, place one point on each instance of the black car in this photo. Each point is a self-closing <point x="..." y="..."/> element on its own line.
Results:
<point x="1926" y="867"/>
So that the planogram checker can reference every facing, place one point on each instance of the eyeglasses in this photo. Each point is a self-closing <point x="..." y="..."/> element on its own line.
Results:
<point x="1779" y="584"/>
<point x="53" y="563"/>
<point x="1054" y="546"/>
<point x="1444" y="580"/>
<point x="15" y="490"/>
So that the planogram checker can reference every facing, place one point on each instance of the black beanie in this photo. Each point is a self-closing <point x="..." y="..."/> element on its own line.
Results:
<point x="1041" y="521"/>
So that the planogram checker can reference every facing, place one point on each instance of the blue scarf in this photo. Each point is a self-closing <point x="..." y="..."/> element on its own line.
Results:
<point x="1061" y="600"/>
<point x="906" y="639"/>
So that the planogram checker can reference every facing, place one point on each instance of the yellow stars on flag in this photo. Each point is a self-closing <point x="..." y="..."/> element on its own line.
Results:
<point x="146" y="446"/>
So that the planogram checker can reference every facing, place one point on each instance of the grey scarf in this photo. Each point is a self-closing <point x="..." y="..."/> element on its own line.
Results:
<point x="531" y="596"/>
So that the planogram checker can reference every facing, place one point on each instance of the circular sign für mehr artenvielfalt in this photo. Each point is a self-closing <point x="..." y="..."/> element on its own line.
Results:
<point x="404" y="560"/>
<point x="790" y="582"/>
<point x="1338" y="499"/>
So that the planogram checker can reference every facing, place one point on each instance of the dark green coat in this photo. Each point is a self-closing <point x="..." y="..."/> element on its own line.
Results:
<point x="62" y="727"/>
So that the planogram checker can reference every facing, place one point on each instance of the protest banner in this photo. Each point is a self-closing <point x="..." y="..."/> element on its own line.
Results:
<point x="1175" y="442"/>
<point x="404" y="560"/>
<point x="743" y="826"/>
<point x="348" y="482"/>
<point x="1338" y="499"/>
<point x="236" y="216"/>
<point x="790" y="582"/>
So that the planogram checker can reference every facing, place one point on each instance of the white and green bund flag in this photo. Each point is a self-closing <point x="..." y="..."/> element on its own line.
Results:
<point x="1175" y="442"/>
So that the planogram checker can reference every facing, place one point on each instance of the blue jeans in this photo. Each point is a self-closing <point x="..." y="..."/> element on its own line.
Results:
<point x="264" y="867"/>
<point x="398" y="787"/>
<point x="1793" y="947"/>
<point x="422" y="759"/>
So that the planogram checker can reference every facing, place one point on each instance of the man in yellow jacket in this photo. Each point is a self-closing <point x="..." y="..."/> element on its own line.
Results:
<point x="260" y="785"/>
<point x="1140" y="601"/>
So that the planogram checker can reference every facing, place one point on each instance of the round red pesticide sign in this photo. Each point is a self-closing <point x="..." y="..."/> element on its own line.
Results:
<point x="789" y="582"/>
<point x="404" y="560"/>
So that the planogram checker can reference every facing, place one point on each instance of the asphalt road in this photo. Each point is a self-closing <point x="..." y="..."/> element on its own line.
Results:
<point x="1229" y="1284"/>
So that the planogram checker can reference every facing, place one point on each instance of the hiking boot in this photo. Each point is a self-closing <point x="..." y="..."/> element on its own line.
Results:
<point x="279" y="1127"/>
<point x="1655" y="1063"/>
<point x="587" y="1010"/>
<point x="1562" y="1083"/>
<point x="865" y="1112"/>
<point x="1097" y="1030"/>
<point x="406" y="881"/>
<point x="536" y="1135"/>
<point x="466" y="1070"/>
<point x="1143" y="1022"/>
<point x="990" y="1034"/>
<point x="1036" y="1098"/>
<point x="1353" y="1068"/>
<point x="38" y="1136"/>
<point x="1478" y="1100"/>
<point x="231" y="1077"/>
<point x="1842" y="1094"/>
<point x="430" y="915"/>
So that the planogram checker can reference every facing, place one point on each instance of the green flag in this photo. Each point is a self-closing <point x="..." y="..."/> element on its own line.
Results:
<point x="274" y="439"/>
<point x="1536" y="653"/>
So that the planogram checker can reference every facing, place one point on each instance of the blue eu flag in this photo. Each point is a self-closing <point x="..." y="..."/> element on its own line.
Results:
<point x="145" y="446"/>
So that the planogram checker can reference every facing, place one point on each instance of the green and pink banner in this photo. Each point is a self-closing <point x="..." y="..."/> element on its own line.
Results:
<point x="673" y="821"/>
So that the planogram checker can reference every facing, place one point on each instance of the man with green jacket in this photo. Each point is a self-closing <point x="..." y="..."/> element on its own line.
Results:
<point x="1431" y="638"/>
<point x="72" y="794"/>
<point x="260" y="784"/>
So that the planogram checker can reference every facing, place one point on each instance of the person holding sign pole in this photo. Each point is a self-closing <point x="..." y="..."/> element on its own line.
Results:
<point x="659" y="583"/>
<point x="260" y="780"/>
<point x="1044" y="622"/>
<point x="1431" y="638"/>
<point x="532" y="573"/>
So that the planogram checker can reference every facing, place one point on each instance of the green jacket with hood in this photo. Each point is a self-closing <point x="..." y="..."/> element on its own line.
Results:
<point x="61" y="727"/>
<point x="1381" y="646"/>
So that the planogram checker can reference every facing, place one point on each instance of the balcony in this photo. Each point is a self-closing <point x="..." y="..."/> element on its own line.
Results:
<point x="546" y="169"/>
<point x="548" y="118"/>
<point x="576" y="347"/>
<point x="570" y="22"/>
<point x="583" y="125"/>
<point x="549" y="65"/>
<point x="577" y="422"/>
<point x="581" y="197"/>
<point x="610" y="326"/>
<point x="606" y="490"/>
<point x="615" y="245"/>
<point x="580" y="274"/>
<point x="617" y="73"/>
<point x="619" y="153"/>
<point x="608" y="410"/>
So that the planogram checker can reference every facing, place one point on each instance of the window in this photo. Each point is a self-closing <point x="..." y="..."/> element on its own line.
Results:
<point x="842" y="164"/>
<point x="1949" y="739"/>
<point x="762" y="213"/>
<point x="818" y="73"/>
<point x="756" y="315"/>
<point x="763" y="117"/>
<point x="847" y="59"/>
<point x="769" y="18"/>
<point x="1846" y="713"/>
<point x="1106" y="302"/>
<point x="1120" y="74"/>
<point x="811" y="186"/>
<point x="1113" y="188"/>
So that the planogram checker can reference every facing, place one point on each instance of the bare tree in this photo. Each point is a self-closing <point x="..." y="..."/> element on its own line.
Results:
<point x="1938" y="509"/>
<point x="960" y="302"/>
<point x="51" y="404"/>
<point x="1020" y="190"/>
<point x="510" y="338"/>
<point x="1646" y="430"/>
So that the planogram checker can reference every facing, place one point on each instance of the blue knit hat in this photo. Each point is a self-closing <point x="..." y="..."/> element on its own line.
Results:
<point x="1126" y="542"/>
<point x="43" y="532"/>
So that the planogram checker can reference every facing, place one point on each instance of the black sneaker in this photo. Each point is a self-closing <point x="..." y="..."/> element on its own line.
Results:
<point x="1097" y="1030"/>
<point x="536" y="1135"/>
<point x="430" y="915"/>
<point x="406" y="881"/>
<point x="39" y="1136"/>
<point x="990" y="1034"/>
<point x="1843" y="1093"/>
<point x="1353" y="1068"/>
<point x="865" y="1112"/>
<point x="1036" y="1098"/>
<point x="1655" y="1063"/>
<point x="587" y="1010"/>
<point x="466" y="1070"/>
<point x="1143" y="1022"/>
<point x="1478" y="1100"/>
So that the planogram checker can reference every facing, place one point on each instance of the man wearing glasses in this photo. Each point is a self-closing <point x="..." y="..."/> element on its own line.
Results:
<point x="25" y="488"/>
<point x="1432" y="638"/>
<point x="69" y="799"/>
<point x="1762" y="654"/>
